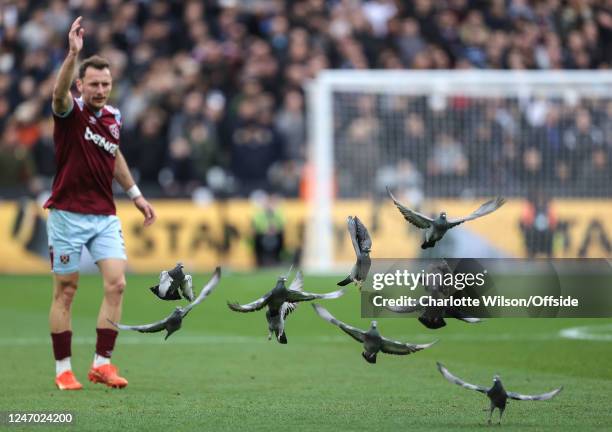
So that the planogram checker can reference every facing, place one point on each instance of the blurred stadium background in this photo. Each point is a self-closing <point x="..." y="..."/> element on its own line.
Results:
<point x="255" y="127"/>
<point x="254" y="156"/>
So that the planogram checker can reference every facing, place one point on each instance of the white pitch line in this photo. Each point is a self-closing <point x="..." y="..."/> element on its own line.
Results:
<point x="158" y="340"/>
<point x="144" y="340"/>
<point x="590" y="333"/>
<point x="231" y="339"/>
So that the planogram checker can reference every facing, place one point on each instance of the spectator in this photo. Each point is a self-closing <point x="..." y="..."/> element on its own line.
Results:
<point x="268" y="232"/>
<point x="179" y="176"/>
<point x="582" y="137"/>
<point x="146" y="149"/>
<point x="448" y="158"/>
<point x="43" y="153"/>
<point x="359" y="149"/>
<point x="410" y="42"/>
<point x="414" y="139"/>
<point x="538" y="223"/>
<point x="594" y="175"/>
<point x="291" y="124"/>
<point x="16" y="165"/>
<point x="532" y="170"/>
<point x="255" y="146"/>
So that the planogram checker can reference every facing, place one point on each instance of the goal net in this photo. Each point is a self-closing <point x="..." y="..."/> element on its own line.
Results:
<point x="446" y="136"/>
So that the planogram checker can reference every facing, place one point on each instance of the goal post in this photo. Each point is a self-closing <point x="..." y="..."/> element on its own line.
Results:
<point x="461" y="135"/>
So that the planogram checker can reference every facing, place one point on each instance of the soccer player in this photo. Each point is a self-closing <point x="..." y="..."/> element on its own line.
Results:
<point x="82" y="210"/>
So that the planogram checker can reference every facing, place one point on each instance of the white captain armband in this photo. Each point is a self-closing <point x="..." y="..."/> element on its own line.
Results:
<point x="134" y="192"/>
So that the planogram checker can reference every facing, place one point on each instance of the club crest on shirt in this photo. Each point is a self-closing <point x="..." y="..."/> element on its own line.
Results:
<point x="114" y="130"/>
<point x="64" y="259"/>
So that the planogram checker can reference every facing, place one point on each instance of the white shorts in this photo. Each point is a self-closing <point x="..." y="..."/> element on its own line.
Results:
<point x="68" y="232"/>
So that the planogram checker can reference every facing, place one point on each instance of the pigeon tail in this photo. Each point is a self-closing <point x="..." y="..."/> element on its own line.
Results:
<point x="169" y="333"/>
<point x="428" y="244"/>
<point x="369" y="357"/>
<point x="346" y="281"/>
<point x="282" y="338"/>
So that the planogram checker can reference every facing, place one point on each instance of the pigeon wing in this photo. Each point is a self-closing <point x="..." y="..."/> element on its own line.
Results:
<point x="457" y="314"/>
<point x="453" y="379"/>
<point x="488" y="207"/>
<point x="352" y="229"/>
<point x="296" y="285"/>
<point x="206" y="290"/>
<point x="363" y="236"/>
<point x="298" y="296"/>
<point x="543" y="396"/>
<point x="355" y="333"/>
<point x="415" y="218"/>
<point x="395" y="347"/>
<point x="253" y="306"/>
<point x="298" y="282"/>
<point x="187" y="288"/>
<point x="287" y="308"/>
<point x="164" y="283"/>
<point x="145" y="328"/>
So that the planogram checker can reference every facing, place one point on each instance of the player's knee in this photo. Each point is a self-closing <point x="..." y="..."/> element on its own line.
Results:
<point x="65" y="291"/>
<point x="115" y="288"/>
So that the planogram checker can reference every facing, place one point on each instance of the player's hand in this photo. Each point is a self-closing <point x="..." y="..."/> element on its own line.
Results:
<point x="146" y="209"/>
<point x="75" y="36"/>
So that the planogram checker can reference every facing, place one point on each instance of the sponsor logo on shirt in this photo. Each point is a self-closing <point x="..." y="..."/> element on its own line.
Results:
<point x="92" y="120"/>
<point x="101" y="142"/>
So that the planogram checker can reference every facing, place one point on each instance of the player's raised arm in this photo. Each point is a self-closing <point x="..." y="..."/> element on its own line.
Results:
<point x="124" y="178"/>
<point x="62" y="100"/>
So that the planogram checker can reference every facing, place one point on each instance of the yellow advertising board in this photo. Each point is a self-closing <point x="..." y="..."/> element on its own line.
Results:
<point x="221" y="234"/>
<point x="583" y="228"/>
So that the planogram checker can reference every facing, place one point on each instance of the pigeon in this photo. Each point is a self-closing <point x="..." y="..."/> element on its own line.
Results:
<point x="281" y="301"/>
<point x="497" y="393"/>
<point x="173" y="281"/>
<point x="173" y="322"/>
<point x="433" y="316"/>
<point x="362" y="243"/>
<point x="436" y="228"/>
<point x="372" y="340"/>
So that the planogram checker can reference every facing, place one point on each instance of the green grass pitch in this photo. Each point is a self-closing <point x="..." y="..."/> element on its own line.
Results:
<point x="219" y="372"/>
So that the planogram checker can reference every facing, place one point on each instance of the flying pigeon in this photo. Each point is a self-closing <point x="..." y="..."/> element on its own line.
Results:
<point x="497" y="393"/>
<point x="362" y="243"/>
<point x="432" y="317"/>
<point x="173" y="281"/>
<point x="372" y="340"/>
<point x="436" y="228"/>
<point x="173" y="322"/>
<point x="281" y="301"/>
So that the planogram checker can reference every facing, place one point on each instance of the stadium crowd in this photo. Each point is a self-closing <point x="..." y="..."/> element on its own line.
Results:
<point x="211" y="91"/>
<point x="473" y="146"/>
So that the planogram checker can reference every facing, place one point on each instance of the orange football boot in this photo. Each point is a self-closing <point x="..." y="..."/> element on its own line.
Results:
<point x="107" y="374"/>
<point x="67" y="381"/>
